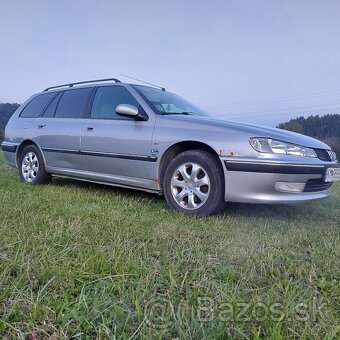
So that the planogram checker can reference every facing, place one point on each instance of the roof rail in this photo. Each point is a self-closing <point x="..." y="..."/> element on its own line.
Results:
<point x="83" y="82"/>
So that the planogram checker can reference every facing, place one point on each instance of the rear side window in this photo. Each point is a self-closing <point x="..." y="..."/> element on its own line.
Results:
<point x="108" y="98"/>
<point x="72" y="103"/>
<point x="49" y="112"/>
<point x="34" y="108"/>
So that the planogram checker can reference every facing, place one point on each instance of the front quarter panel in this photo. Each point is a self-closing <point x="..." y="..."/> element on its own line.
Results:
<point x="231" y="144"/>
<point x="225" y="141"/>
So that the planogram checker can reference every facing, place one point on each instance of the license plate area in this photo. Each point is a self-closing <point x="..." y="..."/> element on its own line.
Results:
<point x="332" y="175"/>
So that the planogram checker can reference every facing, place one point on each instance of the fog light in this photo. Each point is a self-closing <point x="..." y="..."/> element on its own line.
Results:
<point x="290" y="187"/>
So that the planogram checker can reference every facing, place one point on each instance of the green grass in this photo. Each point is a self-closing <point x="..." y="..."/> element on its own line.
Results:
<point x="88" y="261"/>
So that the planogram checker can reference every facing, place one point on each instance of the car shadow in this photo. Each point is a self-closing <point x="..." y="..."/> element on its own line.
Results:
<point x="289" y="212"/>
<point x="286" y="211"/>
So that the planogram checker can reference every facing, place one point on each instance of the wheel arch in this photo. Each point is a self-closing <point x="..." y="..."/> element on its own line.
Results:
<point x="23" y="145"/>
<point x="179" y="147"/>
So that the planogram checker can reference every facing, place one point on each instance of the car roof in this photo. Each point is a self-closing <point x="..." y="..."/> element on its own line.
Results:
<point x="91" y="83"/>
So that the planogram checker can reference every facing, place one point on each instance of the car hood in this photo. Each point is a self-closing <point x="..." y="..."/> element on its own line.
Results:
<point x="255" y="130"/>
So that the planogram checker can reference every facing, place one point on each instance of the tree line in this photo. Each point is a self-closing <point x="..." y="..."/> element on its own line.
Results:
<point x="6" y="111"/>
<point x="325" y="128"/>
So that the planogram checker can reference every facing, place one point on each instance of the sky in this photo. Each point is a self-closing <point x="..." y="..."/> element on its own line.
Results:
<point x="245" y="60"/>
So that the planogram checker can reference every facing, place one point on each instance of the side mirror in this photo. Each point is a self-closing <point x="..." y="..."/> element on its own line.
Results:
<point x="127" y="110"/>
<point x="131" y="111"/>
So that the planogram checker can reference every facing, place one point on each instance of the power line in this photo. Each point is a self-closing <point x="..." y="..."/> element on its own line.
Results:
<point x="290" y="108"/>
<point x="266" y="113"/>
<point x="276" y="100"/>
<point x="333" y="73"/>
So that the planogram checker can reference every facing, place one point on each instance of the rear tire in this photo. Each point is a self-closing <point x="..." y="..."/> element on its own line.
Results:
<point x="194" y="184"/>
<point x="31" y="167"/>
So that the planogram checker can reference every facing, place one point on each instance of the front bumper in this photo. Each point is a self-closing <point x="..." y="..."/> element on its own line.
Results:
<point x="274" y="181"/>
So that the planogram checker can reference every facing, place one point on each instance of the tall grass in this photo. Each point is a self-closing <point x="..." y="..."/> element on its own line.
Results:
<point x="88" y="261"/>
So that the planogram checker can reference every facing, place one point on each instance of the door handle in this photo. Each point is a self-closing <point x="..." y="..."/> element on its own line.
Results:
<point x="89" y="129"/>
<point x="41" y="126"/>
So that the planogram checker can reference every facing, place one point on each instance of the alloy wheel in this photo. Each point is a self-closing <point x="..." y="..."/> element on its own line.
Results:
<point x="30" y="166"/>
<point x="190" y="186"/>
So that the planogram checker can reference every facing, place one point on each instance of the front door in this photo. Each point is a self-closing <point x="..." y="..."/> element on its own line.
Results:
<point x="116" y="146"/>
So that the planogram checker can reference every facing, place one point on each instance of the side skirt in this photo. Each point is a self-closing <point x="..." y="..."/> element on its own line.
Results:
<point x="106" y="179"/>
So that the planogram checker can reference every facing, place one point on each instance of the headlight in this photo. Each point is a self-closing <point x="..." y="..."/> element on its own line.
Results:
<point x="267" y="145"/>
<point x="332" y="155"/>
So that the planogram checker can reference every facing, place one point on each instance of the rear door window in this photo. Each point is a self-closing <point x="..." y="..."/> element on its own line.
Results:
<point x="73" y="103"/>
<point x="35" y="107"/>
<point x="50" y="111"/>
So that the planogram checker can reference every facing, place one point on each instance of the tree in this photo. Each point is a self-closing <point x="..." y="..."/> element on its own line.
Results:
<point x="294" y="126"/>
<point x="6" y="111"/>
<point x="325" y="128"/>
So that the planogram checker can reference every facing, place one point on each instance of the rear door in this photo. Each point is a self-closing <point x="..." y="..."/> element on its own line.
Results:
<point x="115" y="145"/>
<point x="26" y="123"/>
<point x="58" y="129"/>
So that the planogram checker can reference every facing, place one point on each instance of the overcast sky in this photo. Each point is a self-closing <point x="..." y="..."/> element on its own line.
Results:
<point x="257" y="61"/>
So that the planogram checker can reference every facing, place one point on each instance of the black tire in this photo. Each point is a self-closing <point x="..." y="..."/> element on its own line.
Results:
<point x="212" y="173"/>
<point x="38" y="173"/>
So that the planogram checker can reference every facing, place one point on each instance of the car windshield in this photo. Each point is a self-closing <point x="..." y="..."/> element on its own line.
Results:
<point x="164" y="102"/>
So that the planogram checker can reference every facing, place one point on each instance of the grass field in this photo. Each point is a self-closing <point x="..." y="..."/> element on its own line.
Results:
<point x="88" y="261"/>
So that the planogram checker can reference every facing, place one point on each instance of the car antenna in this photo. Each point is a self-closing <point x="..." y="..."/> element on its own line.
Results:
<point x="142" y="81"/>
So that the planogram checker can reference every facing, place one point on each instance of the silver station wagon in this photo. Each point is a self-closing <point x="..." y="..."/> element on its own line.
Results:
<point x="146" y="138"/>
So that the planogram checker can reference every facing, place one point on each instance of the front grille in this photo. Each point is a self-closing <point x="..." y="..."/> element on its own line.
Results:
<point x="314" y="185"/>
<point x="323" y="155"/>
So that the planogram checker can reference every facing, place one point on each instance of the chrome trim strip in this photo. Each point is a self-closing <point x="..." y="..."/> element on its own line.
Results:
<point x="151" y="158"/>
<point x="61" y="150"/>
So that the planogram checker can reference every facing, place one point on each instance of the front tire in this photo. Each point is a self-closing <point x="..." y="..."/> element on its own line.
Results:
<point x="32" y="168"/>
<point x="194" y="184"/>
